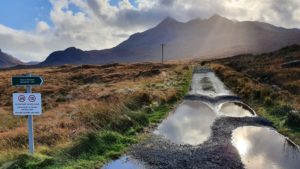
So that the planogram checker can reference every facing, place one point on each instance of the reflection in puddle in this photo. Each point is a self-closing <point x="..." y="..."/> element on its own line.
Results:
<point x="124" y="163"/>
<point x="208" y="84"/>
<point x="190" y="123"/>
<point x="262" y="148"/>
<point x="235" y="110"/>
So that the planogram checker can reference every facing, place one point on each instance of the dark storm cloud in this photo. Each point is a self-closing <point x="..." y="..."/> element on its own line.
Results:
<point x="133" y="18"/>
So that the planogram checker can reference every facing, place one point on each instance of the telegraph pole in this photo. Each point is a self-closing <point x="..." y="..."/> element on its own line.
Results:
<point x="162" y="53"/>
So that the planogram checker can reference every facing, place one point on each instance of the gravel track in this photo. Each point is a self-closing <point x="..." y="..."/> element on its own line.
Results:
<point x="217" y="152"/>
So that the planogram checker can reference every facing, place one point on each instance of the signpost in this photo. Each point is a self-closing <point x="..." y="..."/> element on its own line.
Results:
<point x="27" y="81"/>
<point x="27" y="104"/>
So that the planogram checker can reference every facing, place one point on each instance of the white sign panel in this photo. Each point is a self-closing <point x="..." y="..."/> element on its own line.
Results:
<point x="27" y="104"/>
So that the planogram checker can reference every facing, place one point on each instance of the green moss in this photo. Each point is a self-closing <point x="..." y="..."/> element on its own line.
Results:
<point x="27" y="161"/>
<point x="160" y="113"/>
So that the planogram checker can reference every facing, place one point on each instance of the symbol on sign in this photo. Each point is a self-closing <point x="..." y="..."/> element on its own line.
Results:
<point x="22" y="98"/>
<point x="31" y="98"/>
<point x="27" y="104"/>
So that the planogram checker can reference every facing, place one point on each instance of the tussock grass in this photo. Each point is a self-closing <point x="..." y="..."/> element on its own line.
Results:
<point x="26" y="161"/>
<point x="99" y="143"/>
<point x="16" y="138"/>
<point x="280" y="110"/>
<point x="293" y="119"/>
<point x="274" y="103"/>
<point x="91" y="114"/>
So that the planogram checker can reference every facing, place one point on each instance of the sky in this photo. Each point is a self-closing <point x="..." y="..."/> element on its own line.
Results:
<point x="31" y="29"/>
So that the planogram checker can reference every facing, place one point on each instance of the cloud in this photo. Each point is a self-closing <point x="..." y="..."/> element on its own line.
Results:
<point x="98" y="25"/>
<point x="42" y="27"/>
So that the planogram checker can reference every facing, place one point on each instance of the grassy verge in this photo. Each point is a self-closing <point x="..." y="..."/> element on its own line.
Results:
<point x="275" y="105"/>
<point x="111" y="127"/>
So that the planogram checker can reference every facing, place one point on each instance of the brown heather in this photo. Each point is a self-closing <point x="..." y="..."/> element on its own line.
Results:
<point x="78" y="99"/>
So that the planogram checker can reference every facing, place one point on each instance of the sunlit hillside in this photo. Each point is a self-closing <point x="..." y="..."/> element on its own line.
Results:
<point x="115" y="100"/>
<point x="270" y="82"/>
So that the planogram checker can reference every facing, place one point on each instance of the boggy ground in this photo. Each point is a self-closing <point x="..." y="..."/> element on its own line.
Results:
<point x="91" y="113"/>
<point x="216" y="152"/>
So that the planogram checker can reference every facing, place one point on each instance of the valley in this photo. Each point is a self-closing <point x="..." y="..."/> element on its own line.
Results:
<point x="149" y="84"/>
<point x="182" y="113"/>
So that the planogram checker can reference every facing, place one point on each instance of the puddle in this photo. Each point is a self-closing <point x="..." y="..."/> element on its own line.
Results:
<point x="208" y="84"/>
<point x="235" y="109"/>
<point x="262" y="148"/>
<point x="124" y="162"/>
<point x="189" y="124"/>
<point x="259" y="147"/>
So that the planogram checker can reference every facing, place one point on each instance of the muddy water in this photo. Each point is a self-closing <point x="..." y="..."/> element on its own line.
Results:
<point x="234" y="109"/>
<point x="189" y="124"/>
<point x="124" y="162"/>
<point x="208" y="84"/>
<point x="262" y="148"/>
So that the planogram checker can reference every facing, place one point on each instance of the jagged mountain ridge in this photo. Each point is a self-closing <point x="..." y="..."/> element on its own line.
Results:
<point x="198" y="38"/>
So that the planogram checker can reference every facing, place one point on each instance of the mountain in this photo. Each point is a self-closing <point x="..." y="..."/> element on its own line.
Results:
<point x="7" y="60"/>
<point x="32" y="63"/>
<point x="198" y="38"/>
<point x="71" y="55"/>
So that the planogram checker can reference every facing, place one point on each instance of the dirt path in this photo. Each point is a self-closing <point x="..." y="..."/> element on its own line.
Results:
<point x="216" y="152"/>
<point x="174" y="144"/>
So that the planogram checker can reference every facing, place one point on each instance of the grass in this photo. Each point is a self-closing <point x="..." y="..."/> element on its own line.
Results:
<point x="278" y="109"/>
<point x="94" y="115"/>
<point x="274" y="103"/>
<point x="159" y="114"/>
<point x="91" y="149"/>
<point x="88" y="151"/>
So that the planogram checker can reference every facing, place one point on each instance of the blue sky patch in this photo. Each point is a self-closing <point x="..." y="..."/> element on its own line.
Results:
<point x="24" y="14"/>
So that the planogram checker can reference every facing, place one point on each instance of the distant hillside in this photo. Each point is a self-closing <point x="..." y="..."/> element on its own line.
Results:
<point x="71" y="55"/>
<point x="7" y="60"/>
<point x="208" y="38"/>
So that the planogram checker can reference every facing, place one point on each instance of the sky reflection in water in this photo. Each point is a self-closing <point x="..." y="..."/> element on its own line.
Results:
<point x="124" y="162"/>
<point x="234" y="110"/>
<point x="262" y="148"/>
<point x="190" y="123"/>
